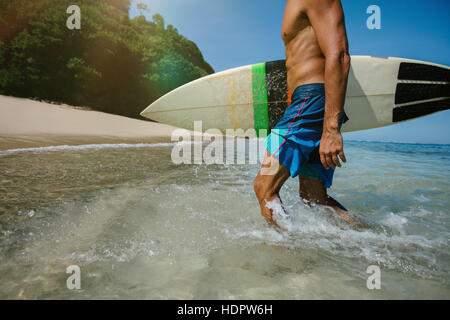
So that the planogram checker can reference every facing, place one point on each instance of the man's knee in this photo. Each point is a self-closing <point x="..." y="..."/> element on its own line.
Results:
<point x="262" y="188"/>
<point x="258" y="186"/>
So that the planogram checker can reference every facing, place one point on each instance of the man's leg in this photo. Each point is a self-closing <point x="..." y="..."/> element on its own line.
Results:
<point x="313" y="191"/>
<point x="268" y="183"/>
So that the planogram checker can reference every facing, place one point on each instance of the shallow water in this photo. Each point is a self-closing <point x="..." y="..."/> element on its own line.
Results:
<point x="141" y="227"/>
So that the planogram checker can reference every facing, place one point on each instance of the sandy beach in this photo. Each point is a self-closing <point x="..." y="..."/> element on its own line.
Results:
<point x="25" y="123"/>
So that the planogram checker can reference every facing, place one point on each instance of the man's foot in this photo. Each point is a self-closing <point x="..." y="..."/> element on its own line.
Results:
<point x="279" y="217"/>
<point x="353" y="221"/>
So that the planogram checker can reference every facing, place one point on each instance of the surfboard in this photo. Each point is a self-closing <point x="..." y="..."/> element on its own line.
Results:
<point x="380" y="92"/>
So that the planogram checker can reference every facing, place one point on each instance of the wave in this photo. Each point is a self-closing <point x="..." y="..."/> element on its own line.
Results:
<point x="94" y="146"/>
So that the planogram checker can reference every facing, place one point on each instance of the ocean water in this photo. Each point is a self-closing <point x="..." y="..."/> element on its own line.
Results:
<point x="141" y="227"/>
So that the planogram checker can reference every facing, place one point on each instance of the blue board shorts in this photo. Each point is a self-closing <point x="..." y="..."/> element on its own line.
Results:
<point x="295" y="139"/>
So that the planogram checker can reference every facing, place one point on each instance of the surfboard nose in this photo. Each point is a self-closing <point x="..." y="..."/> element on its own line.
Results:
<point x="158" y="105"/>
<point x="221" y="101"/>
<point x="422" y="89"/>
<point x="160" y="110"/>
<point x="146" y="113"/>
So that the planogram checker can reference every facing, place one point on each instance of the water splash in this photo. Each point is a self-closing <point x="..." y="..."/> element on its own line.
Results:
<point x="279" y="214"/>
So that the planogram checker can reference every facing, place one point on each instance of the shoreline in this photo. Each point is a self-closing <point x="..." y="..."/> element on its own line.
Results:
<point x="26" y="123"/>
<point x="8" y="143"/>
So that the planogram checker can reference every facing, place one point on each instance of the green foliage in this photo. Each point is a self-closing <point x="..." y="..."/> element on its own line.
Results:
<point x="113" y="64"/>
<point x="172" y="70"/>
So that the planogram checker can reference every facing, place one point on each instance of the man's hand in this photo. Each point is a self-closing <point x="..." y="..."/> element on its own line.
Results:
<point x="331" y="146"/>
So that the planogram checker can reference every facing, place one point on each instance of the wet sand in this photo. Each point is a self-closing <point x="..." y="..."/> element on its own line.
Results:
<point x="25" y="123"/>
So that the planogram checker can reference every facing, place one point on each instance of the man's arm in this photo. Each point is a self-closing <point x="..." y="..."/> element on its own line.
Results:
<point x="327" y="20"/>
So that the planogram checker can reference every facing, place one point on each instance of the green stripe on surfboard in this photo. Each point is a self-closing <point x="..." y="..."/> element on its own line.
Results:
<point x="261" y="114"/>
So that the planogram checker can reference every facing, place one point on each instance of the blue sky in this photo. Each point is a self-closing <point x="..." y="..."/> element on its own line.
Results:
<point x="232" y="33"/>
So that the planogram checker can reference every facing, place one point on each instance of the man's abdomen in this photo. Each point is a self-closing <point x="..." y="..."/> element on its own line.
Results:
<point x="305" y="62"/>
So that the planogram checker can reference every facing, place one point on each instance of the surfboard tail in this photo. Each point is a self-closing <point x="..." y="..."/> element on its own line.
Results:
<point x="422" y="89"/>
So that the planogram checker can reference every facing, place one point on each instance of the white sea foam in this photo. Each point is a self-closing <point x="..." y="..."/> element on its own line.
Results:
<point x="421" y="212"/>
<point x="279" y="213"/>
<point x="422" y="198"/>
<point x="94" y="146"/>
<point x="123" y="252"/>
<point x="310" y="228"/>
<point x="395" y="221"/>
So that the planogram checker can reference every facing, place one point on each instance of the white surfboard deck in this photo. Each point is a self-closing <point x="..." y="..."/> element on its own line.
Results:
<point x="239" y="98"/>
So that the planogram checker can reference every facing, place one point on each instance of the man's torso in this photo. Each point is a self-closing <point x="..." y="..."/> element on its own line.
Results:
<point x="305" y="62"/>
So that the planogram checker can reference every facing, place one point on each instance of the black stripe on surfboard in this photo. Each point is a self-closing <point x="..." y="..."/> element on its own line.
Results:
<point x="424" y="72"/>
<point x="409" y="92"/>
<point x="417" y="110"/>
<point x="277" y="92"/>
<point x="276" y="83"/>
